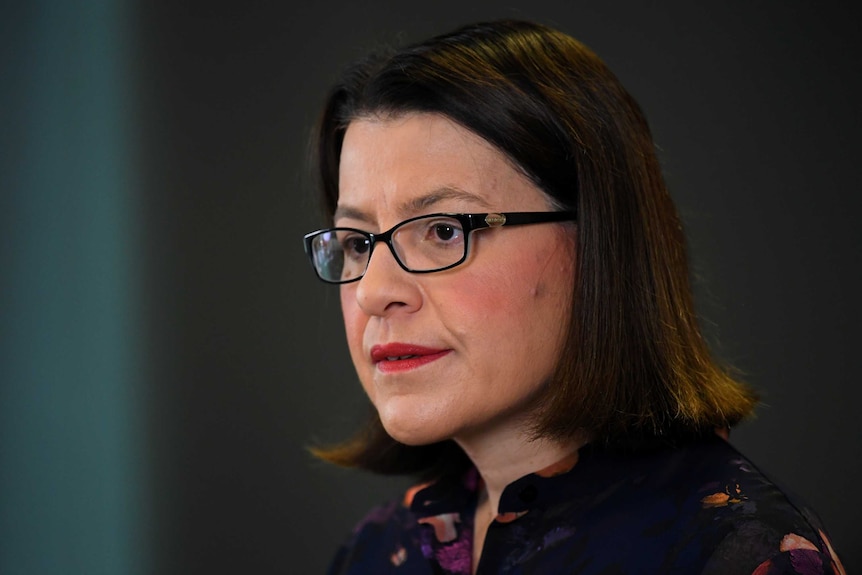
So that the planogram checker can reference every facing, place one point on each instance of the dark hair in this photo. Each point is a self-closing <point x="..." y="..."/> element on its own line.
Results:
<point x="635" y="367"/>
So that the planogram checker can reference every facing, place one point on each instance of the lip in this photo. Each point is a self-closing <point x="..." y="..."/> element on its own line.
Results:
<point x="411" y="356"/>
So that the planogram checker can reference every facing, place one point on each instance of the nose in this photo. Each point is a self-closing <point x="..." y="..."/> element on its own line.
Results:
<point x="386" y="287"/>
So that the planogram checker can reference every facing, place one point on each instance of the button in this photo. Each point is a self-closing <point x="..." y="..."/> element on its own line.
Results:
<point x="528" y="494"/>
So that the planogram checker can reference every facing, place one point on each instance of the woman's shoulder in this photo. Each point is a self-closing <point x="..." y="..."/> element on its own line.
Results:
<point x="754" y="523"/>
<point x="697" y="506"/>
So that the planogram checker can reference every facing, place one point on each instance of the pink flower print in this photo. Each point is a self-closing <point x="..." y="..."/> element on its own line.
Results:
<point x="836" y="562"/>
<point x="399" y="557"/>
<point x="792" y="541"/>
<point x="444" y="526"/>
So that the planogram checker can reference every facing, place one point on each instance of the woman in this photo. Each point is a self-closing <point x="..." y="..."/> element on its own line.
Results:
<point x="527" y="335"/>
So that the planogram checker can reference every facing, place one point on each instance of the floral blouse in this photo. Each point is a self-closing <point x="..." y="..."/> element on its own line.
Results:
<point x="698" y="508"/>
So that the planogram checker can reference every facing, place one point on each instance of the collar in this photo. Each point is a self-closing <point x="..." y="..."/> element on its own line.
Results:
<point x="537" y="489"/>
<point x="591" y="473"/>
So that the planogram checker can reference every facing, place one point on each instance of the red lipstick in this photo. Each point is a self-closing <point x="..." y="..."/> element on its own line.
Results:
<point x="392" y="357"/>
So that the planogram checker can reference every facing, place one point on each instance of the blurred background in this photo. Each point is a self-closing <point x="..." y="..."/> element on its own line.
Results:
<point x="167" y="354"/>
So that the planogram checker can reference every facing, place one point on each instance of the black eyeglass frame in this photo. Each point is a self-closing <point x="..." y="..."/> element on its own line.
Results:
<point x="469" y="224"/>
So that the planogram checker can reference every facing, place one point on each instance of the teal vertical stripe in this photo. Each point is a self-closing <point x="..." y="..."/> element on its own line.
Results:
<point x="70" y="400"/>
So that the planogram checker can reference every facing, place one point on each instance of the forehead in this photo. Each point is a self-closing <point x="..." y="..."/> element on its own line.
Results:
<point x="410" y="163"/>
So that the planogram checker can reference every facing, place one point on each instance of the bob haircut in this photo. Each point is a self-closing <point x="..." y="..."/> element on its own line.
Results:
<point x="635" y="369"/>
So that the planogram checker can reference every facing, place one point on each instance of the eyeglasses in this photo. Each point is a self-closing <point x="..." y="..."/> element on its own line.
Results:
<point x="423" y="244"/>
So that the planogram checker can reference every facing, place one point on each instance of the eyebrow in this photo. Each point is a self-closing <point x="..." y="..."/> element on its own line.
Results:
<point x="415" y="205"/>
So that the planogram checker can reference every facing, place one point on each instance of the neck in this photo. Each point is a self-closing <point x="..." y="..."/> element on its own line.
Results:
<point x="501" y="458"/>
<point x="504" y="458"/>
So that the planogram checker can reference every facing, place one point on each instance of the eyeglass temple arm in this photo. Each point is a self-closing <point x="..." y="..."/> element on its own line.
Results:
<point x="495" y="220"/>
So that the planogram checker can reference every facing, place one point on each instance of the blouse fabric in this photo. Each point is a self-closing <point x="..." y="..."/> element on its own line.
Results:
<point x="698" y="508"/>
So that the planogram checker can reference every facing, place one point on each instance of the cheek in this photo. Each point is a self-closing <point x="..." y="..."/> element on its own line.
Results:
<point x="484" y="304"/>
<point x="528" y="295"/>
<point x="354" y="319"/>
<point x="354" y="327"/>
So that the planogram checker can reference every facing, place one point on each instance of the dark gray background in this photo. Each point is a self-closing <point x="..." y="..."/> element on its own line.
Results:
<point x="754" y="106"/>
<point x="755" y="109"/>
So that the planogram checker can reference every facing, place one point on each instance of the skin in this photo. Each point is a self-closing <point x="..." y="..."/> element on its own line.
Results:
<point x="499" y="316"/>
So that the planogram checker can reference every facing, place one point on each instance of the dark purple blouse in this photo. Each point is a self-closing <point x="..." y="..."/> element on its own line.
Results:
<point x="697" y="508"/>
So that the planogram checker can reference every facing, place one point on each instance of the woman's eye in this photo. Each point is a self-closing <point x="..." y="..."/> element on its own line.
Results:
<point x="444" y="232"/>
<point x="355" y="245"/>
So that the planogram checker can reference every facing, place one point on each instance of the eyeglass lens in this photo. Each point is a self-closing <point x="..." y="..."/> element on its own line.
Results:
<point x="425" y="244"/>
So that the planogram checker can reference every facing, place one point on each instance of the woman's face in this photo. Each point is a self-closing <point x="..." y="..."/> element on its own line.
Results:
<point x="482" y="338"/>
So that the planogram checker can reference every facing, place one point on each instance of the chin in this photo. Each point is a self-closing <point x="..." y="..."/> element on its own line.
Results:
<point x="412" y="436"/>
<point x="413" y="431"/>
